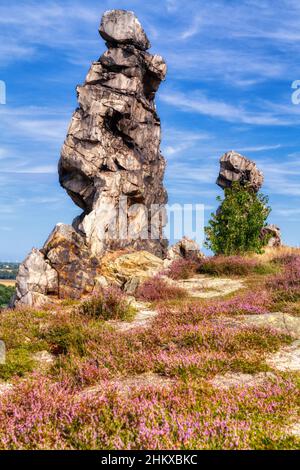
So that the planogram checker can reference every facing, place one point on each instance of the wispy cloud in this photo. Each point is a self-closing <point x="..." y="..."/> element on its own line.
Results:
<point x="36" y="170"/>
<point x="199" y="103"/>
<point x="192" y="29"/>
<point x="259" y="148"/>
<point x="177" y="141"/>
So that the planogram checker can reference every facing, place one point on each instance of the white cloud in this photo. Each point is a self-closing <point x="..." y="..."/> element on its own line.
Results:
<point x="176" y="141"/>
<point x="258" y="148"/>
<point x="192" y="30"/>
<point x="286" y="211"/>
<point x="34" y="123"/>
<point x="199" y="103"/>
<point x="43" y="169"/>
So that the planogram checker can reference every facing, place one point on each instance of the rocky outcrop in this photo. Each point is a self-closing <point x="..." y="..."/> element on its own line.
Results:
<point x="273" y="234"/>
<point x="235" y="167"/>
<point x="186" y="249"/>
<point x="111" y="164"/>
<point x="122" y="27"/>
<point x="36" y="280"/>
<point x="127" y="270"/>
<point x="111" y="167"/>
<point x="70" y="256"/>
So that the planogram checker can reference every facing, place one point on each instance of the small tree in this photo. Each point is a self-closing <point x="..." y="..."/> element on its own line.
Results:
<point x="236" y="227"/>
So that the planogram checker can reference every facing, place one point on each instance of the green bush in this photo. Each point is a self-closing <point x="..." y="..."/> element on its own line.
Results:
<point x="108" y="304"/>
<point x="64" y="338"/>
<point x="18" y="363"/>
<point x="236" y="227"/>
<point x="6" y="293"/>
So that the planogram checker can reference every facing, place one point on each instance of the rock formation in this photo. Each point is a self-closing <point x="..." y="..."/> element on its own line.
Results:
<point x="111" y="164"/>
<point x="274" y="235"/>
<point x="185" y="249"/>
<point x="235" y="167"/>
<point x="128" y="270"/>
<point x="111" y="167"/>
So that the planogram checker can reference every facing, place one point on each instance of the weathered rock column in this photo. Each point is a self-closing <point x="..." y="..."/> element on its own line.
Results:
<point x="111" y="167"/>
<point x="111" y="163"/>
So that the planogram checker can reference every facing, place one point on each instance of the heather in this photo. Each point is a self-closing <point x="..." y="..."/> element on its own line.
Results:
<point x="182" y="269"/>
<point x="77" y="403"/>
<point x="108" y="304"/>
<point x="286" y="285"/>
<point x="157" y="289"/>
<point x="189" y="416"/>
<point x="235" y="266"/>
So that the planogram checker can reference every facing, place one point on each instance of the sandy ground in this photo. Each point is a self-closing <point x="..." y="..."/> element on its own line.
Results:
<point x="8" y="282"/>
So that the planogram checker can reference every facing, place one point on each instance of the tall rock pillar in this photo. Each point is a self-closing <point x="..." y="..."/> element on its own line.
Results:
<point x="111" y="164"/>
<point x="111" y="167"/>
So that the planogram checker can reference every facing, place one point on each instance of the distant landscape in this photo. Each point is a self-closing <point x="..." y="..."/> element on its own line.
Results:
<point x="8" y="273"/>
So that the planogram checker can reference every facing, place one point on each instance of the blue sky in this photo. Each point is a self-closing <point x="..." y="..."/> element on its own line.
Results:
<point x="230" y="69"/>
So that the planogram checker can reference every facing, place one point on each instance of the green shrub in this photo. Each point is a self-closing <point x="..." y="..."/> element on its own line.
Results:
<point x="6" y="293"/>
<point x="18" y="363"/>
<point x="108" y="304"/>
<point x="236" y="226"/>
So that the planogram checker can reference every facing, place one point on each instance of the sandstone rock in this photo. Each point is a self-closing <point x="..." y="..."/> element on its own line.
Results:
<point x="68" y="253"/>
<point x="5" y="388"/>
<point x="126" y="386"/>
<point x="143" y="318"/>
<point x="44" y="359"/>
<point x="186" y="249"/>
<point x="229" y="380"/>
<point x="283" y="322"/>
<point x="204" y="287"/>
<point x="111" y="164"/>
<point x="112" y="168"/>
<point x="122" y="27"/>
<point x="35" y="281"/>
<point x="122" y="269"/>
<point x="293" y="430"/>
<point x="287" y="359"/>
<point x="235" y="167"/>
<point x="274" y="233"/>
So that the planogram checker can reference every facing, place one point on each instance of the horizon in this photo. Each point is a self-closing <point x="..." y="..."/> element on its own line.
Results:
<point x="231" y="70"/>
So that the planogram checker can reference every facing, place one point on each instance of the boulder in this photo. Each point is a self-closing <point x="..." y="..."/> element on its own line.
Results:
<point x="123" y="27"/>
<point x="36" y="280"/>
<point x="69" y="255"/>
<point x="186" y="249"/>
<point x="236" y="168"/>
<point x="127" y="270"/>
<point x="274" y="235"/>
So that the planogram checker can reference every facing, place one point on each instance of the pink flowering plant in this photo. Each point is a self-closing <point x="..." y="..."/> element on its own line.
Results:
<point x="158" y="289"/>
<point x="80" y="402"/>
